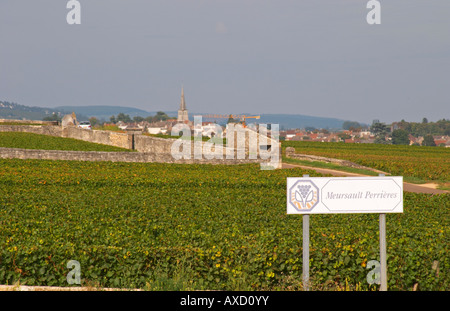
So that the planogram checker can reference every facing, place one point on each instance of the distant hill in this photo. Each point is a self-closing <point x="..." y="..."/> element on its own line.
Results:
<point x="105" y="112"/>
<point x="20" y="112"/>
<point x="286" y="121"/>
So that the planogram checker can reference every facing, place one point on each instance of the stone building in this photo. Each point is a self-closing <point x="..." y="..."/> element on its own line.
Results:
<point x="182" y="112"/>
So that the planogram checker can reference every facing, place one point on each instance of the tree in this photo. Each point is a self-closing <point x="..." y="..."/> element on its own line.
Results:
<point x="428" y="140"/>
<point x="94" y="121"/>
<point x="231" y="120"/>
<point x="424" y="120"/>
<point x="123" y="117"/>
<point x="349" y="124"/>
<point x="400" y="137"/>
<point x="138" y="119"/>
<point x="113" y="119"/>
<point x="53" y="117"/>
<point x="344" y="136"/>
<point x="161" y="116"/>
<point x="379" y="129"/>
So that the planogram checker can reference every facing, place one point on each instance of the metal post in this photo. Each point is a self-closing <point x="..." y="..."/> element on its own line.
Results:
<point x="306" y="250"/>
<point x="383" y="263"/>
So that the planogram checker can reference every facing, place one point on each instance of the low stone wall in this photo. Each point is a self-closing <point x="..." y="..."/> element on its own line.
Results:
<point x="29" y="122"/>
<point x="143" y="157"/>
<point x="122" y="140"/>
<point x="144" y="143"/>
<point x="35" y="129"/>
<point x="150" y="149"/>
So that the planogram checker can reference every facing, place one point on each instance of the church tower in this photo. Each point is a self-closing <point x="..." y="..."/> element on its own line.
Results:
<point x="182" y="112"/>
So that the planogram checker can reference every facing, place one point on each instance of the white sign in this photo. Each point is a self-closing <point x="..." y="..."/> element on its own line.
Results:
<point x="337" y="195"/>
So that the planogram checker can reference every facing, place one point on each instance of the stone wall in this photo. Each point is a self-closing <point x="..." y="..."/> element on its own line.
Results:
<point x="116" y="139"/>
<point x="36" y="129"/>
<point x="150" y="149"/>
<point x="29" y="122"/>
<point x="144" y="157"/>
<point x="122" y="140"/>
<point x="144" y="143"/>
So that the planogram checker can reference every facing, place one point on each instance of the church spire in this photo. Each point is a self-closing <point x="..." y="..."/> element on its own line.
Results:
<point x="183" y="102"/>
<point x="182" y="112"/>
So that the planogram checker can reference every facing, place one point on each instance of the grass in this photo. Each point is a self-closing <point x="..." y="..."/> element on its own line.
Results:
<point x="331" y="166"/>
<point x="112" y="128"/>
<point x="199" y="227"/>
<point x="417" y="164"/>
<point x="44" y="142"/>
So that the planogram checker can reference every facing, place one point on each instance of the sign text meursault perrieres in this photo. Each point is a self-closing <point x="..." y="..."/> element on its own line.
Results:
<point x="360" y="195"/>
<point x="345" y="195"/>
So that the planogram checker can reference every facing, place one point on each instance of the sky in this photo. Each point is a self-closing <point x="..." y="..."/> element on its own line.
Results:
<point x="316" y="58"/>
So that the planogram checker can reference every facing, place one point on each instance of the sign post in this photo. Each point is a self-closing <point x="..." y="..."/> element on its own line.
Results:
<point x="306" y="252"/>
<point x="306" y="249"/>
<point x="383" y="263"/>
<point x="344" y="195"/>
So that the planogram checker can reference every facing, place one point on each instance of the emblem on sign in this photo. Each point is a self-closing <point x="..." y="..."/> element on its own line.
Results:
<point x="304" y="195"/>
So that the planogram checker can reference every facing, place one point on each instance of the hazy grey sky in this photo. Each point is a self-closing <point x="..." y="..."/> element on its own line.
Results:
<point x="310" y="57"/>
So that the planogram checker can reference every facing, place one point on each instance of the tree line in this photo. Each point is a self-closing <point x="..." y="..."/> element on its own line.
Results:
<point x="159" y="116"/>
<point x="401" y="131"/>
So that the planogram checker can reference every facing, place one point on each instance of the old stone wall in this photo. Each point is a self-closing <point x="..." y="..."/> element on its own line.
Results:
<point x="150" y="149"/>
<point x="144" y="157"/>
<point x="36" y="129"/>
<point x="122" y="140"/>
<point x="144" y="143"/>
<point x="37" y="122"/>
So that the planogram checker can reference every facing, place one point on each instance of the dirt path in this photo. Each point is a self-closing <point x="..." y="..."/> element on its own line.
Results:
<point x="406" y="186"/>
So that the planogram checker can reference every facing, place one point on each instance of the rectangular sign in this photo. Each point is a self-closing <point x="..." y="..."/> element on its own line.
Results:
<point x="338" y="195"/>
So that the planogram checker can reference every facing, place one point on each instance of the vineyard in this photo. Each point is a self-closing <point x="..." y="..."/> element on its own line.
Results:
<point x="44" y="142"/>
<point x="187" y="227"/>
<point x="425" y="163"/>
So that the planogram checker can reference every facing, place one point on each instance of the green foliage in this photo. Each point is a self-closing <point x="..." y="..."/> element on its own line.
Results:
<point x="44" y="142"/>
<point x="188" y="227"/>
<point x="347" y="125"/>
<point x="379" y="129"/>
<point x="123" y="117"/>
<point x="159" y="116"/>
<point x="441" y="127"/>
<point x="109" y="127"/>
<point x="94" y="121"/>
<point x="428" y="140"/>
<point x="53" y="117"/>
<point x="426" y="163"/>
<point x="400" y="137"/>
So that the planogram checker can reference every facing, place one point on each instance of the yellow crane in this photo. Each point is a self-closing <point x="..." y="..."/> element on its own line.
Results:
<point x="243" y="118"/>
